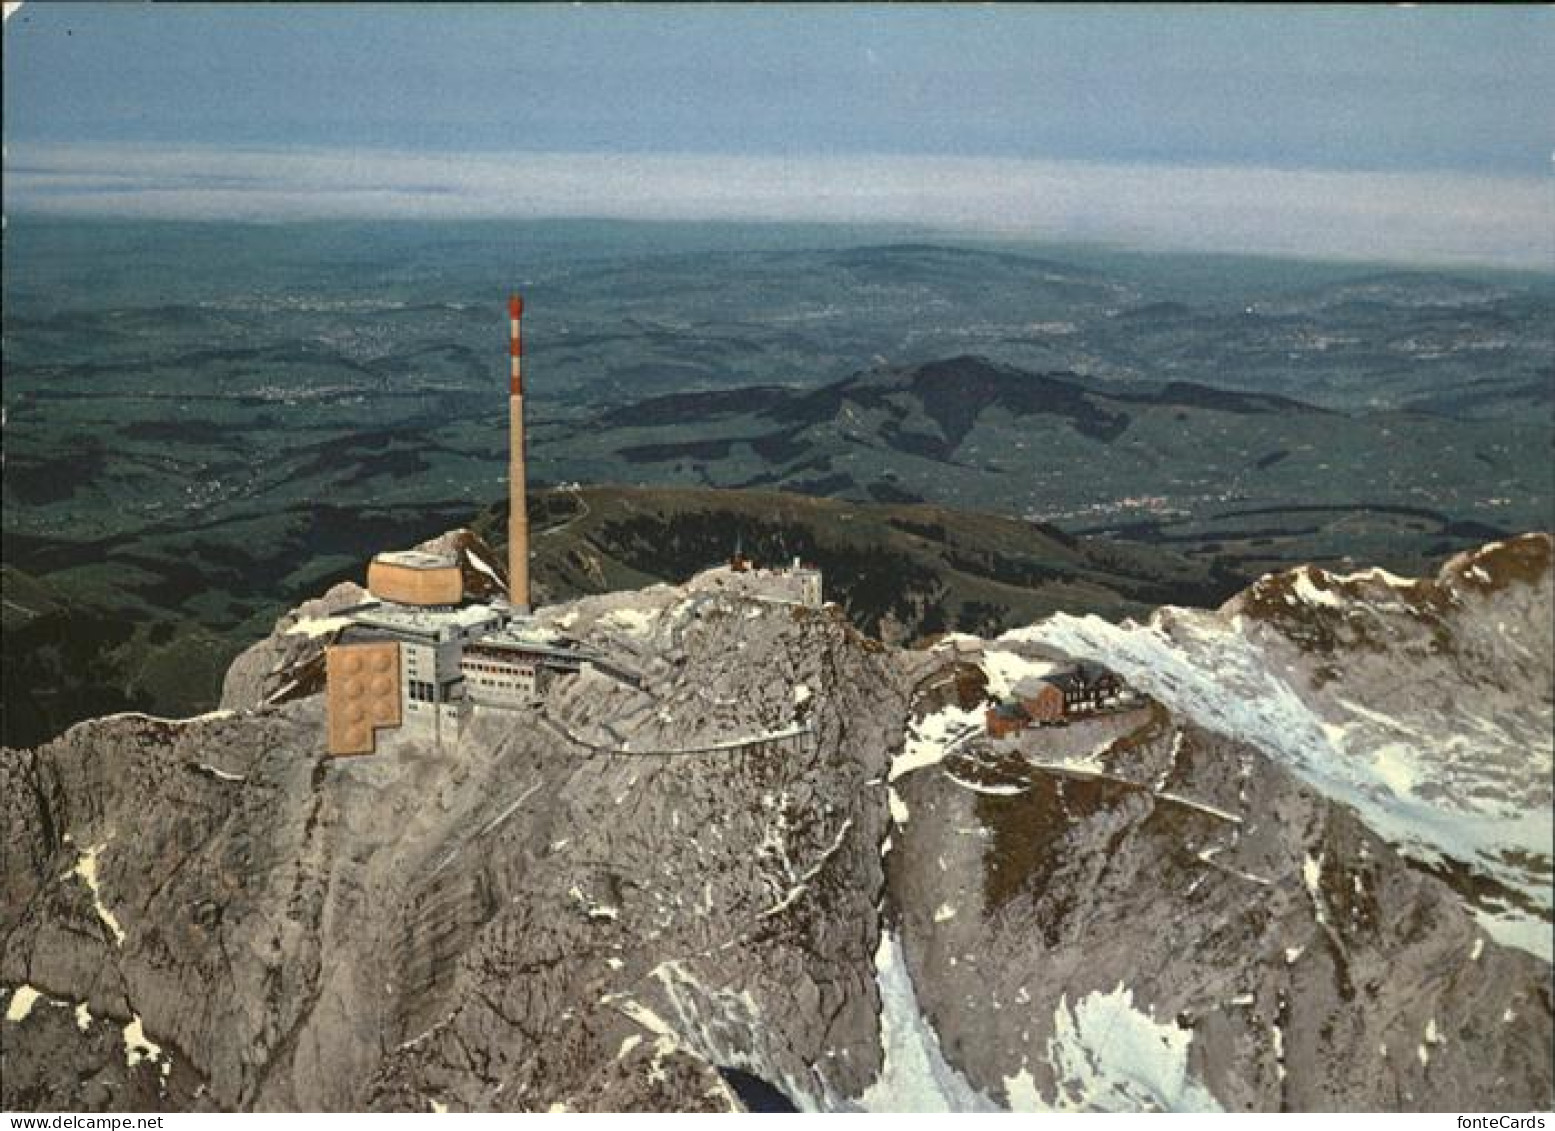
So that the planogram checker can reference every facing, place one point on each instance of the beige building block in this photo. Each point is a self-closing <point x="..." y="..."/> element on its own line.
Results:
<point x="416" y="577"/>
<point x="362" y="694"/>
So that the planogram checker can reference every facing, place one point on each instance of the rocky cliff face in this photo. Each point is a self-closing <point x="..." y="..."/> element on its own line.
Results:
<point x="790" y="867"/>
<point x="1423" y="704"/>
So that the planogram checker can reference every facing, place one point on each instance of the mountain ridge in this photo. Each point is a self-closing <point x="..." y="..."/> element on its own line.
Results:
<point x="1173" y="460"/>
<point x="896" y="911"/>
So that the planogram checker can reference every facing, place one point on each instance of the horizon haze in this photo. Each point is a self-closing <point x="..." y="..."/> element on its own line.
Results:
<point x="1398" y="134"/>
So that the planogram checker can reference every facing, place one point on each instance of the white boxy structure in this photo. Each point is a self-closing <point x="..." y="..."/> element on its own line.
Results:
<point x="431" y="643"/>
<point x="795" y="584"/>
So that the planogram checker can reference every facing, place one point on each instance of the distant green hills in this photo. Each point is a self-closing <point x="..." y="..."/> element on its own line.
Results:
<point x="1255" y="480"/>
<point x="204" y="423"/>
<point x="151" y="623"/>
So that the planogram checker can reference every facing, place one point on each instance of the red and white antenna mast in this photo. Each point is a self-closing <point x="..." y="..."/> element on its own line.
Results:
<point x="518" y="498"/>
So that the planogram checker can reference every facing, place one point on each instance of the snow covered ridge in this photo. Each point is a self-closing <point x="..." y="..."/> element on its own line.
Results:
<point x="1424" y="705"/>
<point x="157" y="720"/>
<point x="1321" y="609"/>
<point x="483" y="578"/>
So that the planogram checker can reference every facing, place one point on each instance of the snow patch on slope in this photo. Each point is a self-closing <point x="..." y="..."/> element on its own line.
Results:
<point x="314" y="627"/>
<point x="25" y="997"/>
<point x="1312" y="595"/>
<point x="634" y="622"/>
<point x="485" y="567"/>
<point x="1005" y="669"/>
<point x="21" y="1003"/>
<point x="914" y="1076"/>
<point x="86" y="871"/>
<point x="139" y="1047"/>
<point x="932" y="737"/>
<point x="1110" y="1056"/>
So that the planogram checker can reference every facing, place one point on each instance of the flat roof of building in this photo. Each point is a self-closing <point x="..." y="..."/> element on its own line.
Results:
<point x="417" y="559"/>
<point x="413" y="620"/>
<point x="516" y="638"/>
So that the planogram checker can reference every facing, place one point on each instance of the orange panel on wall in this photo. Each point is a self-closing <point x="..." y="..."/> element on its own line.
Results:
<point x="362" y="693"/>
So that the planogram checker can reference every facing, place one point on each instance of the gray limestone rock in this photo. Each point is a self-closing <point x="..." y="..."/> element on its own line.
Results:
<point x="1181" y="889"/>
<point x="289" y="663"/>
<point x="788" y="854"/>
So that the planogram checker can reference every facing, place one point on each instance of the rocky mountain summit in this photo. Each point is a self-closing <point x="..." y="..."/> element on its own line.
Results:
<point x="1423" y="704"/>
<point x="1300" y="869"/>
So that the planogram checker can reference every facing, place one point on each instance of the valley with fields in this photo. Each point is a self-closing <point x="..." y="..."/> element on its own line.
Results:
<point x="986" y="430"/>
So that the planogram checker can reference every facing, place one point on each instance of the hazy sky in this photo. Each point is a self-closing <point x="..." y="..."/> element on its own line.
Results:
<point x="1404" y="132"/>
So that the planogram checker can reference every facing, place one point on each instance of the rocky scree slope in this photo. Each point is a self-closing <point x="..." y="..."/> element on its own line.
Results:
<point x="789" y="856"/>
